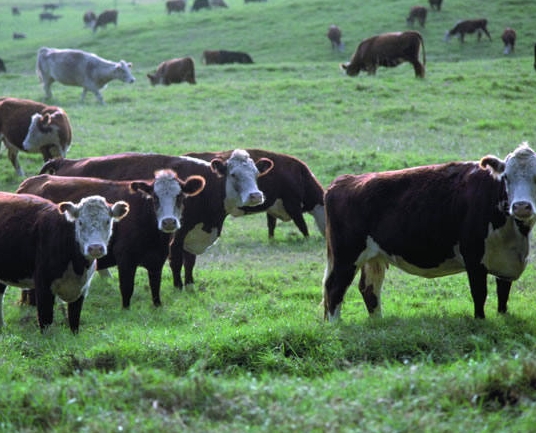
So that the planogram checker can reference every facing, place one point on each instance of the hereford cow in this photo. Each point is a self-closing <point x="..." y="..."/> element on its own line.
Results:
<point x="230" y="186"/>
<point x="431" y="221"/>
<point x="175" y="6"/>
<point x="33" y="127"/>
<point x="79" y="68"/>
<point x="435" y="4"/>
<point x="417" y="13"/>
<point x="143" y="237"/>
<point x="334" y="35"/>
<point x="107" y="17"/>
<point x="290" y="189"/>
<point x="89" y="18"/>
<point x="509" y="40"/>
<point x="220" y="57"/>
<point x="174" y="71"/>
<point x="53" y="254"/>
<point x="468" y="27"/>
<point x="389" y="50"/>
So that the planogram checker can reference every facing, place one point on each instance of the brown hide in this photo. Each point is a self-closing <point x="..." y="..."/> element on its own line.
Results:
<point x="174" y="71"/>
<point x="417" y="13"/>
<point x="469" y="27"/>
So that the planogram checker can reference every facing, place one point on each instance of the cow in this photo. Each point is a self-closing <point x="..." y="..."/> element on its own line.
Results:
<point x="175" y="6"/>
<point x="290" y="189"/>
<point x="15" y="11"/>
<point x="431" y="221"/>
<point x="417" y="13"/>
<point x="50" y="6"/>
<point x="334" y="35"/>
<point x="174" y="71"/>
<point x="230" y="186"/>
<point x="220" y="57"/>
<point x="200" y="4"/>
<point x="468" y="27"/>
<point x="143" y="237"/>
<point x="435" y="4"/>
<point x="51" y="253"/>
<point x="79" y="68"/>
<point x="509" y="40"/>
<point x="218" y="4"/>
<point x="389" y="50"/>
<point x="17" y="35"/>
<point x="47" y="16"/>
<point x="89" y="18"/>
<point x="2" y="66"/>
<point x="109" y="16"/>
<point x="33" y="127"/>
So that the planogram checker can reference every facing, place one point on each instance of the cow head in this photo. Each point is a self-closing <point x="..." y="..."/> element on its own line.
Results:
<point x="48" y="133"/>
<point x="241" y="175"/>
<point x="154" y="79"/>
<point x="519" y="173"/>
<point x="167" y="192"/>
<point x="93" y="218"/>
<point x="122" y="72"/>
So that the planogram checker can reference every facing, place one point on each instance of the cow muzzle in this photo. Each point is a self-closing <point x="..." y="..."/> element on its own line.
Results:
<point x="169" y="225"/>
<point x="96" y="251"/>
<point x="254" y="199"/>
<point x="522" y="210"/>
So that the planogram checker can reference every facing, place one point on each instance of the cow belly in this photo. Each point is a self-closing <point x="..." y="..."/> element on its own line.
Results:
<point x="197" y="240"/>
<point x="278" y="210"/>
<point x="70" y="286"/>
<point x="506" y="251"/>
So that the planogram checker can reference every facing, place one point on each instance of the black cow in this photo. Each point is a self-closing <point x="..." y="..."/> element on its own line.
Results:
<point x="469" y="27"/>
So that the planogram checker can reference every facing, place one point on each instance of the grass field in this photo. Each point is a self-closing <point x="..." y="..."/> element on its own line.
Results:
<point x="248" y="349"/>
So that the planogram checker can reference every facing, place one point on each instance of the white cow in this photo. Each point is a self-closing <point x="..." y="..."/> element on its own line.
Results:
<point x="79" y="68"/>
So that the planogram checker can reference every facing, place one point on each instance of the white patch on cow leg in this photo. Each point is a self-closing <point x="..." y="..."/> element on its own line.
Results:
<point x="320" y="218"/>
<point x="336" y="316"/>
<point x="370" y="285"/>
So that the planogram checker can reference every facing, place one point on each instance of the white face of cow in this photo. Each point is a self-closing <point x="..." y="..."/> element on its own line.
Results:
<point x="93" y="219"/>
<point x="44" y="132"/>
<point x="519" y="172"/>
<point x="122" y="72"/>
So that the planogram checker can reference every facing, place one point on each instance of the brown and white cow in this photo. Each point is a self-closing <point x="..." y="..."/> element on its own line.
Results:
<point x="220" y="57"/>
<point x="89" y="18"/>
<point x="418" y="13"/>
<point x="509" y="40"/>
<point x="53" y="254"/>
<point x="431" y="221"/>
<point x="389" y="50"/>
<point x="144" y="235"/>
<point x="174" y="71"/>
<point x="230" y="186"/>
<point x="468" y="27"/>
<point x="33" y="127"/>
<point x="290" y="189"/>
<point x="334" y="35"/>
<point x="106" y="17"/>
<point x="175" y="6"/>
<point x="79" y="68"/>
<point x="435" y="4"/>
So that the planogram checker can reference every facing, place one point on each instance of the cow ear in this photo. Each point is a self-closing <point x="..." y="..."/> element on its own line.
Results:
<point x="495" y="165"/>
<point x="344" y="66"/>
<point x="69" y="209"/>
<point x="120" y="209"/>
<point x="193" y="185"/>
<point x="145" y="188"/>
<point x="218" y="167"/>
<point x="264" y="165"/>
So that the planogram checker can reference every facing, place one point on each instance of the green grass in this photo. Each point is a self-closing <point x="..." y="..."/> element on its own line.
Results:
<point x="248" y="349"/>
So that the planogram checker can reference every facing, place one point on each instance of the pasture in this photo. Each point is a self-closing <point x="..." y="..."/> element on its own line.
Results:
<point x="248" y="349"/>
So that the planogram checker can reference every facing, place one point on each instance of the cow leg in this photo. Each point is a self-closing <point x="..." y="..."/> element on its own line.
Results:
<point x="189" y="263"/>
<point x="175" y="262"/>
<point x="370" y="286"/>
<point x="73" y="314"/>
<point x="487" y="33"/>
<point x="13" y="156"/>
<point x="45" y="307"/>
<point x="297" y="216"/>
<point x="127" y="274"/>
<point x="271" y="222"/>
<point x="419" y="69"/>
<point x="479" y="290"/>
<point x="47" y="82"/>
<point x="337" y="279"/>
<point x="503" y="292"/>
<point x="155" y="281"/>
<point x="3" y="288"/>
<point x="99" y="96"/>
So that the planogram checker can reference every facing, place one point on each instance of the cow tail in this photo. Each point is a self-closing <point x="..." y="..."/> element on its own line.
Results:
<point x="423" y="51"/>
<point x="39" y="66"/>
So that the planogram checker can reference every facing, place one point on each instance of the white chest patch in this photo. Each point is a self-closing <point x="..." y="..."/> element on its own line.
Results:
<point x="197" y="240"/>
<point x="506" y="251"/>
<point x="70" y="286"/>
<point x="278" y="210"/>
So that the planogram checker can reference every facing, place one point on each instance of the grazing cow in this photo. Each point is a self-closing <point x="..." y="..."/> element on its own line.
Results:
<point x="33" y="127"/>
<point x="143" y="237"/>
<point x="175" y="6"/>
<point x="220" y="57"/>
<point x="431" y="221"/>
<point x="47" y="16"/>
<point x="389" y="50"/>
<point x="468" y="27"/>
<point x="334" y="35"/>
<point x="79" y="68"/>
<point x="435" y="4"/>
<point x="174" y="71"/>
<point x="50" y="6"/>
<point x="200" y="4"/>
<point x="89" y="18"/>
<point x="2" y="66"/>
<point x="509" y="40"/>
<point x="417" y="13"/>
<point x="15" y="11"/>
<point x="290" y="189"/>
<point x="230" y="186"/>
<point x="107" y="17"/>
<point x="17" y="35"/>
<point x="53" y="254"/>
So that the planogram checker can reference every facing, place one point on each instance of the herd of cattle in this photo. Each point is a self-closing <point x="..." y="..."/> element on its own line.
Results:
<point x="132" y="210"/>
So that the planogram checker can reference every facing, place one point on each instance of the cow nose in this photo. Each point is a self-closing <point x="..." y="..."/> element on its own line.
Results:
<point x="255" y="198"/>
<point x="522" y="209"/>
<point x="96" y="251"/>
<point x="169" y="225"/>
